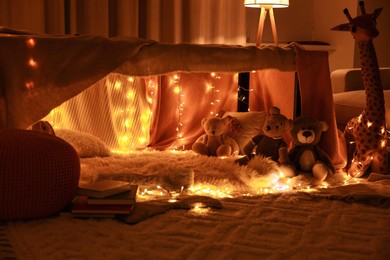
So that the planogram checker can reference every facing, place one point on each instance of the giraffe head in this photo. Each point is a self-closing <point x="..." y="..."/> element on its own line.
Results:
<point x="362" y="27"/>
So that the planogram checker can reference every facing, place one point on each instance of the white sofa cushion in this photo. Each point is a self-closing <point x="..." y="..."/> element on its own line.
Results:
<point x="350" y="104"/>
<point x="349" y="95"/>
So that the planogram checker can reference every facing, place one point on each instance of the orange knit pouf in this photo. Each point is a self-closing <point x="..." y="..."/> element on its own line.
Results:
<point x="39" y="174"/>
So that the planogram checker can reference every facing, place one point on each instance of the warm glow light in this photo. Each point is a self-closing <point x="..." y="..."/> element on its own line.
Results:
<point x="124" y="138"/>
<point x="142" y="140"/>
<point x="32" y="63"/>
<point x="210" y="190"/>
<point x="369" y="123"/>
<point x="199" y="209"/>
<point x="130" y="94"/>
<point x="272" y="184"/>
<point x="29" y="85"/>
<point x="359" y="119"/>
<point x="31" y="42"/>
<point x="273" y="3"/>
<point x="176" y="90"/>
<point x="145" y="118"/>
<point x="383" y="130"/>
<point x="209" y="87"/>
<point x="129" y="106"/>
<point x="130" y="79"/>
<point x="127" y="123"/>
<point x="174" y="79"/>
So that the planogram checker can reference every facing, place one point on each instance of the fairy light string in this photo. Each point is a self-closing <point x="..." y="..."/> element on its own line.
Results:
<point x="215" y="93"/>
<point x="32" y="63"/>
<point x="383" y="136"/>
<point x="177" y="89"/>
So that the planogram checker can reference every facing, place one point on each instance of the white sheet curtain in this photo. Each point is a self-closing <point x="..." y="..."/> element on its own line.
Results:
<point x="170" y="21"/>
<point x="124" y="121"/>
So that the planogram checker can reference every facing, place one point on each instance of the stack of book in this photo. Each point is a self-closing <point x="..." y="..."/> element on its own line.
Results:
<point x="106" y="198"/>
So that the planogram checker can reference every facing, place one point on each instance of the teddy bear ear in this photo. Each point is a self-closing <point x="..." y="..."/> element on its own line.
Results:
<point x="203" y="121"/>
<point x="226" y="120"/>
<point x="289" y="124"/>
<point x="274" y="111"/>
<point x="324" y="126"/>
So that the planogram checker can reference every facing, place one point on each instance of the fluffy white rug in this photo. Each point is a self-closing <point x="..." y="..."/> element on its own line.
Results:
<point x="178" y="170"/>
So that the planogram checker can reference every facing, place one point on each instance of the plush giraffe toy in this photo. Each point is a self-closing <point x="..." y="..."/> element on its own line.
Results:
<point x="366" y="134"/>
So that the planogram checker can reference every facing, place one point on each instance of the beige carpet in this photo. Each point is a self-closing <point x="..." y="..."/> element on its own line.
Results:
<point x="243" y="221"/>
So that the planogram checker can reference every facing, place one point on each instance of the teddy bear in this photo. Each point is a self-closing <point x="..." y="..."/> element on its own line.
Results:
<point x="271" y="142"/>
<point x="215" y="142"/>
<point x="43" y="127"/>
<point x="305" y="153"/>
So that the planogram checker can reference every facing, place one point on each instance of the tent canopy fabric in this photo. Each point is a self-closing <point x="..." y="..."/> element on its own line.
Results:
<point x="37" y="67"/>
<point x="40" y="72"/>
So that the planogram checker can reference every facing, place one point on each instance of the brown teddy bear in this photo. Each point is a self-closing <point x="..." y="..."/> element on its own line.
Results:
<point x="214" y="142"/>
<point x="305" y="154"/>
<point x="271" y="142"/>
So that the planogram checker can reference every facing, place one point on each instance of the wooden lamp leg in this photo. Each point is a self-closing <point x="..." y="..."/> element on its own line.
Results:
<point x="263" y="14"/>
<point x="273" y="26"/>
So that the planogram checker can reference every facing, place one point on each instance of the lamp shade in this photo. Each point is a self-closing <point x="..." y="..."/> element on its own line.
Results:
<point x="273" y="3"/>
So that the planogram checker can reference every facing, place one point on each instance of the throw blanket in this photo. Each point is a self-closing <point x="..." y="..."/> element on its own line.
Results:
<point x="39" y="72"/>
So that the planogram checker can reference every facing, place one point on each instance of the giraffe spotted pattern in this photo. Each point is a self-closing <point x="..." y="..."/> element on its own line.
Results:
<point x="366" y="134"/>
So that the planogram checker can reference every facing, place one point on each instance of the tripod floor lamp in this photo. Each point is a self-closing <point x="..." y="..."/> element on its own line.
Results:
<point x="266" y="6"/>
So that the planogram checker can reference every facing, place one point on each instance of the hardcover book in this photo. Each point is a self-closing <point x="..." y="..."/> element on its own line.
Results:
<point x="92" y="215"/>
<point x="80" y="206"/>
<point x="103" y="189"/>
<point x="124" y="198"/>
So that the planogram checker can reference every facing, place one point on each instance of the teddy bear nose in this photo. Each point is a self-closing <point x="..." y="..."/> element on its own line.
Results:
<point x="213" y="132"/>
<point x="306" y="134"/>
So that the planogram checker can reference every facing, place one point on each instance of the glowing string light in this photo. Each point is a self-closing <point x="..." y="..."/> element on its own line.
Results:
<point x="32" y="63"/>
<point x="177" y="89"/>
<point x="31" y="43"/>
<point x="359" y="119"/>
<point x="29" y="85"/>
<point x="215" y="93"/>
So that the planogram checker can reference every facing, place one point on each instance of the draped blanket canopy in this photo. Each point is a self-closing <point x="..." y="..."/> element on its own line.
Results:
<point x="40" y="72"/>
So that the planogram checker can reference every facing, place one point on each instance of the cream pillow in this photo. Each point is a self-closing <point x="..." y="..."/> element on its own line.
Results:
<point x="251" y="124"/>
<point x="85" y="144"/>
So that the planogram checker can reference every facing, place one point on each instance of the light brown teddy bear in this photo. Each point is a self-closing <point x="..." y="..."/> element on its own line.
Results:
<point x="214" y="142"/>
<point x="305" y="154"/>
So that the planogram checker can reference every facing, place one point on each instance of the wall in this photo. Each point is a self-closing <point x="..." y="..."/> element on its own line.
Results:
<point x="328" y="14"/>
<point x="293" y="23"/>
<point x="382" y="42"/>
<point x="303" y="20"/>
<point x="311" y="20"/>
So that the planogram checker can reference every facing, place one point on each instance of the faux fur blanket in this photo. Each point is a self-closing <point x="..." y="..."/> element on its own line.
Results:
<point x="175" y="171"/>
